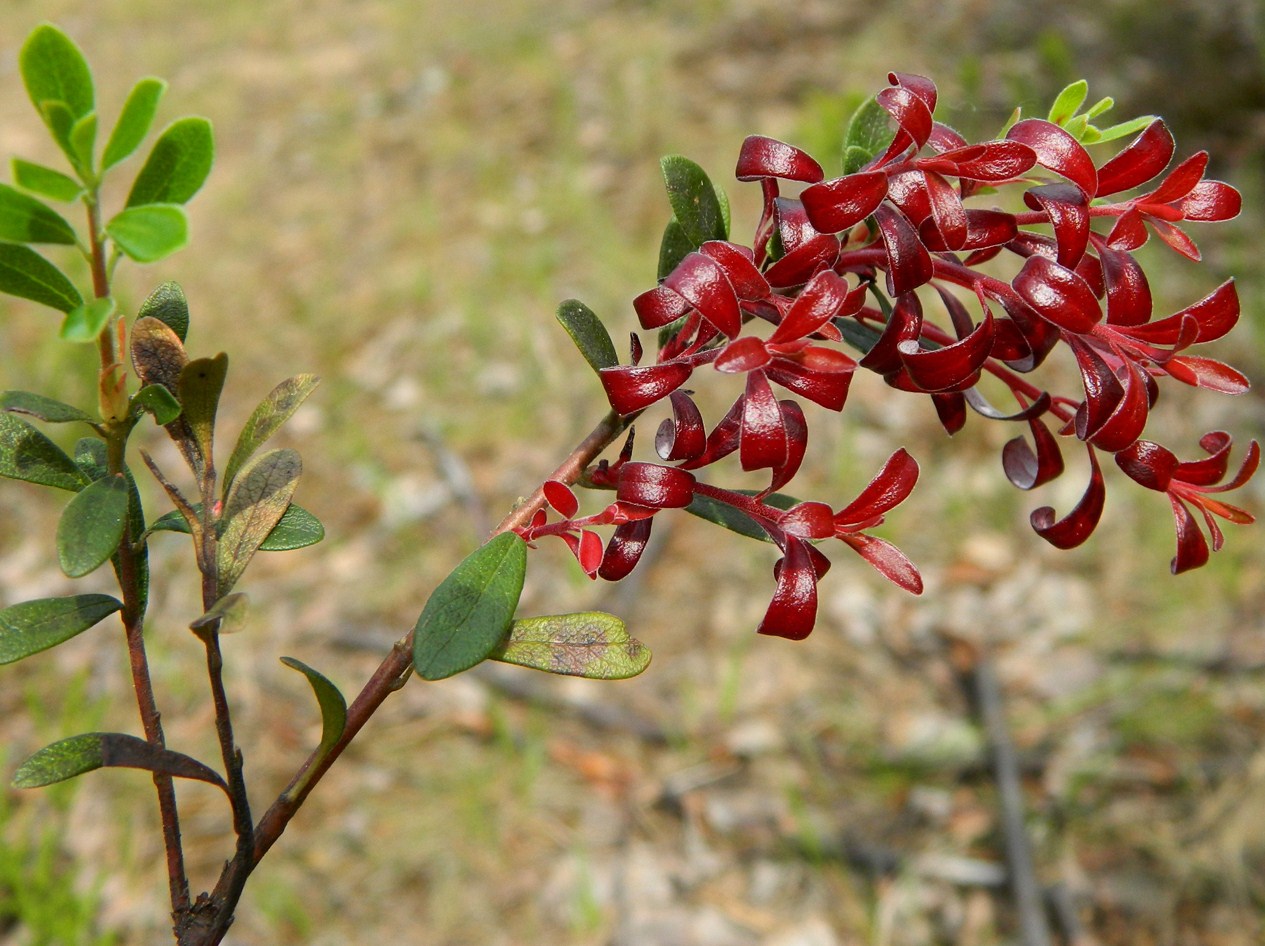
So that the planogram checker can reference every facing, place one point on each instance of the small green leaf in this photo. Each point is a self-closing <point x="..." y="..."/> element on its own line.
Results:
<point x="860" y="336"/>
<point x="140" y="552"/>
<point x="201" y="383"/>
<point x="90" y="457"/>
<point x="1101" y="107"/>
<point x="92" y="525"/>
<point x="177" y="165"/>
<point x="26" y="454"/>
<point x="468" y="614"/>
<point x="149" y="232"/>
<point x="61" y="121"/>
<point x="56" y="73"/>
<point x="45" y="408"/>
<point x="296" y="529"/>
<point x="227" y="615"/>
<point x="735" y="520"/>
<point x="870" y="131"/>
<point x="588" y="333"/>
<point x="134" y="121"/>
<point x="674" y="246"/>
<point x="27" y="275"/>
<point x="23" y="219"/>
<point x="278" y="407"/>
<point x="256" y="502"/>
<point x="158" y="401"/>
<point x="85" y="323"/>
<point x="33" y="626"/>
<point x="1112" y="132"/>
<point x="333" y="708"/>
<point x="168" y="305"/>
<point x="726" y="213"/>
<point x="1076" y="126"/>
<point x="96" y="750"/>
<point x="1068" y="101"/>
<point x="693" y="199"/>
<point x="83" y="140"/>
<point x="44" y="181"/>
<point x="589" y="644"/>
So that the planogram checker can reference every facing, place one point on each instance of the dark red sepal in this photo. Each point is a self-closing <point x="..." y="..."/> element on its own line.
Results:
<point x="630" y="388"/>
<point x="840" y="204"/>
<point x="1058" y="295"/>
<point x="1057" y="150"/>
<point x="1079" y="524"/>
<point x="762" y="157"/>
<point x="701" y="281"/>
<point x="624" y="549"/>
<point x="1145" y="157"/>
<point x="654" y="485"/>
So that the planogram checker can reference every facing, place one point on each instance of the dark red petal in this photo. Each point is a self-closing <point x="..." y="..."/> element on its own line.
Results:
<point x="681" y="436"/>
<point x="823" y="375"/>
<point x="1058" y="151"/>
<point x="904" y="324"/>
<point x="653" y="485"/>
<point x="1215" y="314"/>
<point x="909" y="265"/>
<point x="817" y="303"/>
<point x="1247" y="469"/>
<point x="624" y="549"/>
<point x="723" y="440"/>
<point x="890" y="486"/>
<point x="1079" y="524"/>
<point x="887" y="559"/>
<point x="834" y="206"/>
<point x="1210" y="469"/>
<point x="1103" y="389"/>
<point x="793" y="610"/>
<point x="810" y="520"/>
<point x="762" y="444"/>
<point x="1148" y="464"/>
<point x="950" y="367"/>
<point x="1068" y="210"/>
<point x="560" y="497"/>
<point x="1125" y="423"/>
<point x="700" y="280"/>
<point x="1058" y="295"/>
<point x="1129" y="232"/>
<point x="796" y="427"/>
<point x="742" y="355"/>
<point x="1206" y="373"/>
<point x="947" y="211"/>
<point x="944" y="139"/>
<point x="736" y="261"/>
<point x="1128" y="292"/>
<point x="1192" y="548"/>
<point x="1180" y="181"/>
<point x="767" y="157"/>
<point x="991" y="162"/>
<point x="908" y="191"/>
<point x="587" y="549"/>
<point x="921" y="86"/>
<point x="1145" y="157"/>
<point x="984" y="228"/>
<point x="1177" y="239"/>
<point x="659" y="306"/>
<point x="911" y="114"/>
<point x="803" y="262"/>
<point x="1027" y="468"/>
<point x="629" y="388"/>
<point x="1211" y="201"/>
<point x="951" y="410"/>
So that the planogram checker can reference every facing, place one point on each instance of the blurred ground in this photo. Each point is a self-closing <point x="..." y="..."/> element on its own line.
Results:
<point x="403" y="193"/>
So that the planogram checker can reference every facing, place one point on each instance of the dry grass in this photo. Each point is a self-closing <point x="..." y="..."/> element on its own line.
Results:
<point x="403" y="194"/>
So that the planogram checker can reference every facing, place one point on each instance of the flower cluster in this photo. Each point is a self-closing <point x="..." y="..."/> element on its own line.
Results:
<point x="890" y="260"/>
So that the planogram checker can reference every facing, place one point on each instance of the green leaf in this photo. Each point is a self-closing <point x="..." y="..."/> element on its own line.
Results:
<point x="1076" y="126"/>
<point x="589" y="644"/>
<point x="255" y="504"/>
<point x="278" y="407"/>
<point x="693" y="199"/>
<point x="168" y="305"/>
<point x="26" y="454"/>
<point x="140" y="553"/>
<point x="54" y="70"/>
<point x="33" y="626"/>
<point x="85" y="323"/>
<point x="870" y="131"/>
<point x="467" y="616"/>
<point x="45" y="408"/>
<point x="333" y="707"/>
<point x="860" y="336"/>
<point x="227" y="615"/>
<point x="61" y="122"/>
<point x="96" y="750"/>
<point x="588" y="333"/>
<point x="90" y="457"/>
<point x="150" y="232"/>
<point x="673" y="247"/>
<point x="92" y="525"/>
<point x="1112" y="132"/>
<point x="726" y="213"/>
<point x="83" y="140"/>
<point x="1068" y="101"/>
<point x="201" y="383"/>
<point x="158" y="401"/>
<point x="296" y="529"/>
<point x="23" y="219"/>
<point x="1101" y="107"/>
<point x="735" y="520"/>
<point x="177" y="165"/>
<point x="134" y="121"/>
<point x="42" y="180"/>
<point x="27" y="275"/>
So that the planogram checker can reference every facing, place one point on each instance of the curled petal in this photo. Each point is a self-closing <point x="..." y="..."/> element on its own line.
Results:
<point x="742" y="355"/>
<point x="762" y="157"/>
<point x="587" y="549"/>
<point x="1215" y="315"/>
<point x="1211" y="201"/>
<point x="1079" y="524"/>
<point x="762" y="444"/>
<point x="951" y="410"/>
<point x="1177" y="239"/>
<point x="793" y="610"/>
<point x="560" y="497"/>
<point x="659" y="306"/>
<point x="912" y="115"/>
<point x="950" y="367"/>
<point x="1126" y="421"/>
<point x="945" y="139"/>
<point x="654" y="486"/>
<point x="1058" y="295"/>
<point x="990" y="162"/>
<point x="1192" y="547"/>
<point x="1180" y="181"/>
<point x="947" y="211"/>
<point x="1068" y="211"/>
<point x="834" y="206"/>
<point x="1128" y="232"/>
<point x="981" y="406"/>
<point x="1057" y="150"/>
<point x="909" y="264"/>
<point x="889" y="488"/>
<point x="1207" y="373"/>
<point x="1028" y="469"/>
<point x="803" y="262"/>
<point x="1145" y="157"/>
<point x="984" y="228"/>
<point x="700" y="280"/>
<point x="823" y="375"/>
<point x="904" y="324"/>
<point x="1128" y="291"/>
<point x="887" y="559"/>
<point x="1247" y="469"/>
<point x="796" y="427"/>
<point x="920" y="86"/>
<point x="1149" y="464"/>
<point x="810" y="520"/>
<point x="630" y="388"/>
<point x="624" y="549"/>
<point x="682" y="436"/>
<point x="739" y="269"/>
<point x="723" y="440"/>
<point x="817" y="303"/>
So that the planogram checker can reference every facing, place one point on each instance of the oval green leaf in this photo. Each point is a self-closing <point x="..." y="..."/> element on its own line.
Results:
<point x="296" y="529"/>
<point x="45" y="408"/>
<point x="86" y="322"/>
<point x="278" y="407"/>
<point x="177" y="165"/>
<point x="23" y="219"/>
<point x="1068" y="101"/>
<point x="256" y="502"/>
<point x="92" y="525"/>
<point x="33" y="626"/>
<point x="83" y="140"/>
<point x="870" y="131"/>
<point x="735" y="520"/>
<point x="588" y="333"/>
<point x="468" y="614"/>
<point x="27" y="275"/>
<point x="201" y="384"/>
<point x="156" y="400"/>
<point x="96" y="750"/>
<point x="590" y="644"/>
<point x="45" y="181"/>
<point x="333" y="709"/>
<point x="150" y="232"/>
<point x="26" y="454"/>
<point x="134" y="121"/>
<point x="168" y="305"/>
<point x="674" y="246"/>
<point x="693" y="198"/>
<point x="54" y="70"/>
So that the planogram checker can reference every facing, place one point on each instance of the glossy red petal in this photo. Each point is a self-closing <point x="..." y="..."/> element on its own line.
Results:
<point x="700" y="280"/>
<point x="1210" y="469"/>
<point x="630" y="388"/>
<point x="984" y="228"/>
<point x="1206" y="373"/>
<point x="681" y="436"/>
<point x="834" y="206"/>
<point x="762" y="157"/>
<point x="1148" y="464"/>
<point x="803" y="262"/>
<point x="887" y="559"/>
<point x="990" y="162"/>
<point x="1145" y="157"/>
<point x="740" y="270"/>
<point x="1211" y="201"/>
<point x="1125" y="423"/>
<point x="796" y="427"/>
<point x="1067" y="209"/>
<point x="908" y="191"/>
<point x="1027" y="468"/>
<point x="1058" y="295"/>
<point x="560" y="497"/>
<point x="653" y="485"/>
<point x="762" y="443"/>
<point x="1215" y="314"/>
<point x="1079" y="524"/>
<point x="1177" y="239"/>
<point x="1128" y="291"/>
<point x="944" y="139"/>
<point x="909" y="265"/>
<point x="911" y="114"/>
<point x="1192" y="548"/>
<point x="817" y="303"/>
<point x="890" y="487"/>
<point x="742" y="355"/>
<point x="1058" y="151"/>
<point x="949" y="367"/>
<point x="793" y="610"/>
<point x="1180" y="181"/>
<point x="904" y="324"/>
<point x="951" y="411"/>
<point x="624" y="549"/>
<point x="587" y="549"/>
<point x="1128" y="232"/>
<point x="810" y="520"/>
<point x="947" y="211"/>
<point x="823" y="375"/>
<point x="1247" y="469"/>
<point x="920" y="86"/>
<point x="659" y="306"/>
